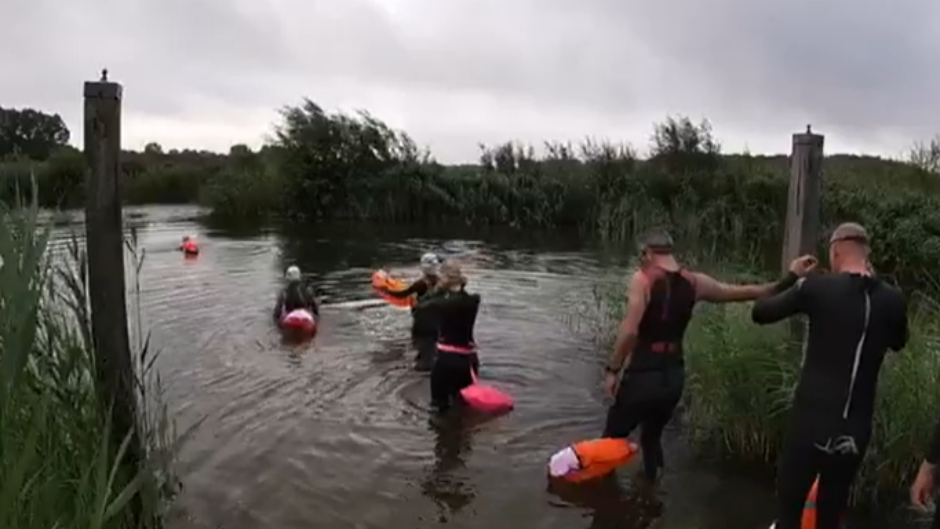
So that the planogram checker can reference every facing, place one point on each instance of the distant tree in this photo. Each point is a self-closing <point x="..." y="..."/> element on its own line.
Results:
<point x="239" y="149"/>
<point x="681" y="146"/>
<point x="31" y="133"/>
<point x="926" y="156"/>
<point x="153" y="148"/>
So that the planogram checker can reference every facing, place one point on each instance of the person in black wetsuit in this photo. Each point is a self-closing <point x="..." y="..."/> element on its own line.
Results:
<point x="660" y="300"/>
<point x="424" y="327"/>
<point x="854" y="318"/>
<point x="924" y="486"/>
<point x="294" y="296"/>
<point x="456" y="312"/>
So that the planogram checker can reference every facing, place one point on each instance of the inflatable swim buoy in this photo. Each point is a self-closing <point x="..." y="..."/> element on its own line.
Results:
<point x="809" y="509"/>
<point x="484" y="398"/>
<point x="381" y="280"/>
<point x="300" y="320"/>
<point x="189" y="246"/>
<point x="591" y="459"/>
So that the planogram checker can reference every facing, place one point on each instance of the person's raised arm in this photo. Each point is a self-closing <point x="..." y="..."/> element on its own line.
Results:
<point x="419" y="287"/>
<point x="786" y="300"/>
<point x="637" y="299"/>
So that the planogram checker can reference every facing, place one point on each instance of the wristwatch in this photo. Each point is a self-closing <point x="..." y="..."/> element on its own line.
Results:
<point x="611" y="370"/>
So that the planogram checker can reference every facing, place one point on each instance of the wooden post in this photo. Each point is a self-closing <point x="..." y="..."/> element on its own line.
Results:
<point x="104" y="231"/>
<point x="801" y="233"/>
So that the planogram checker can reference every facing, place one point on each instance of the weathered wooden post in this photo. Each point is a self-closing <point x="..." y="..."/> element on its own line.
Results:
<point x="803" y="206"/>
<point x="105" y="248"/>
<point x="801" y="233"/>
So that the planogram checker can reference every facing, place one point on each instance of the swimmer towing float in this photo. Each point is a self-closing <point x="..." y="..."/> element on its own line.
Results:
<point x="299" y="321"/>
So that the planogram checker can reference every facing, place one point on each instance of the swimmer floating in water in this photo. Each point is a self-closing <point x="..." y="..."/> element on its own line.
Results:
<point x="649" y="349"/>
<point x="424" y="326"/>
<point x="854" y="318"/>
<point x="456" y="313"/>
<point x="295" y="295"/>
<point x="188" y="245"/>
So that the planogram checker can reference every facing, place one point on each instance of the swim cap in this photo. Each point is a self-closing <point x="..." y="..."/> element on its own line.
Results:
<point x="657" y="241"/>
<point x="430" y="263"/>
<point x="849" y="231"/>
<point x="293" y="273"/>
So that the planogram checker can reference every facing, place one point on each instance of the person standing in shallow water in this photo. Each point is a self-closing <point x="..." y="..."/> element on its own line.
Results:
<point x="854" y="318"/>
<point x="424" y="327"/>
<point x="649" y="351"/>
<point x="456" y="312"/>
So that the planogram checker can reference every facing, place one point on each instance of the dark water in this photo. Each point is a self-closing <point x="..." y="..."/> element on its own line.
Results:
<point x="336" y="433"/>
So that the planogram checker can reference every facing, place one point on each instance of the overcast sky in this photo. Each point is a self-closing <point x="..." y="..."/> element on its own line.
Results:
<point x="454" y="73"/>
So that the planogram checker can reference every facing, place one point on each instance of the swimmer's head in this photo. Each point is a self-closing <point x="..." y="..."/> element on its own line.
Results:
<point x="430" y="264"/>
<point x="849" y="247"/>
<point x="655" y="243"/>
<point x="292" y="274"/>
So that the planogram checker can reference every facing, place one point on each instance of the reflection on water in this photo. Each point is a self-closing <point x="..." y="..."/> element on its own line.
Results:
<point x="335" y="432"/>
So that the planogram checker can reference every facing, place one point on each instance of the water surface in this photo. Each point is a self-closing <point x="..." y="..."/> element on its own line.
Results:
<point x="336" y="432"/>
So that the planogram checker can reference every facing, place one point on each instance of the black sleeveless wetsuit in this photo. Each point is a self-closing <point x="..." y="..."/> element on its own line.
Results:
<point x="654" y="379"/>
<point x="456" y="315"/>
<point x="853" y="321"/>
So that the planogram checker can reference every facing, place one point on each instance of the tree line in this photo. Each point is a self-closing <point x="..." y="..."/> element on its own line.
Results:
<point x="336" y="166"/>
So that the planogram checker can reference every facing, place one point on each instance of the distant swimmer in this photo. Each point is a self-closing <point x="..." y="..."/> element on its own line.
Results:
<point x="188" y="245"/>
<point x="424" y="327"/>
<point x="649" y="348"/>
<point x="854" y="318"/>
<point x="295" y="295"/>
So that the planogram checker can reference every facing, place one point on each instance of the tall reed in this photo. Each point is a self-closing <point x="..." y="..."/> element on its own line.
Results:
<point x="58" y="463"/>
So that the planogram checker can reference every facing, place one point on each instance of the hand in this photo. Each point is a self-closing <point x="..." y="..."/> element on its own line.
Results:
<point x="923" y="488"/>
<point x="803" y="265"/>
<point x="610" y="385"/>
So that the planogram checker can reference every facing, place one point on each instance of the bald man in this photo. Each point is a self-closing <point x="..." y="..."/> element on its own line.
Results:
<point x="854" y="318"/>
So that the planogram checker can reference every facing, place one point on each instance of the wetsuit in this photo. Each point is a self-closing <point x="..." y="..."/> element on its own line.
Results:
<point x="654" y="378"/>
<point x="456" y="314"/>
<point x="424" y="325"/>
<point x="295" y="296"/>
<point x="853" y="321"/>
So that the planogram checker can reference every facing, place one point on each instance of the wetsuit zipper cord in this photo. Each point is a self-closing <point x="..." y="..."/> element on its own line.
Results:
<point x="858" y="356"/>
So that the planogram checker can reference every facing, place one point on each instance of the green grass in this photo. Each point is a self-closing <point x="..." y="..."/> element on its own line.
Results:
<point x="57" y="458"/>
<point x="742" y="377"/>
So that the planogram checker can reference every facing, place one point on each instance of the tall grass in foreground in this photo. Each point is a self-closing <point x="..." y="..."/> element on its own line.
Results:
<point x="741" y="382"/>
<point x="58" y="465"/>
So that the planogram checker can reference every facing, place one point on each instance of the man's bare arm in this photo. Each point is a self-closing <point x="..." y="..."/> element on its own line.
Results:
<point x="710" y="289"/>
<point x="637" y="299"/>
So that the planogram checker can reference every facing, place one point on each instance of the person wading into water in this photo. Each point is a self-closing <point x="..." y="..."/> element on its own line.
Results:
<point x="660" y="299"/>
<point x="424" y="326"/>
<point x="456" y="312"/>
<point x="854" y="318"/>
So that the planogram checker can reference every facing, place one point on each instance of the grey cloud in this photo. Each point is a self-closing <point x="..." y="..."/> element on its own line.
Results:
<point x="864" y="70"/>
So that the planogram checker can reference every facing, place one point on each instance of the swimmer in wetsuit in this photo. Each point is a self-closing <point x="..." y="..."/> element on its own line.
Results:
<point x="456" y="312"/>
<point x="295" y="295"/>
<point x="424" y="326"/>
<point x="660" y="300"/>
<point x="924" y="487"/>
<point x="854" y="318"/>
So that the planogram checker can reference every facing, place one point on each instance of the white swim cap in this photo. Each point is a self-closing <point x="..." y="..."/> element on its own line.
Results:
<point x="293" y="273"/>
<point x="430" y="263"/>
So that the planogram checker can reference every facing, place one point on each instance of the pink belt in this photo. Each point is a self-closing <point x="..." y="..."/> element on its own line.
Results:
<point x="456" y="348"/>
